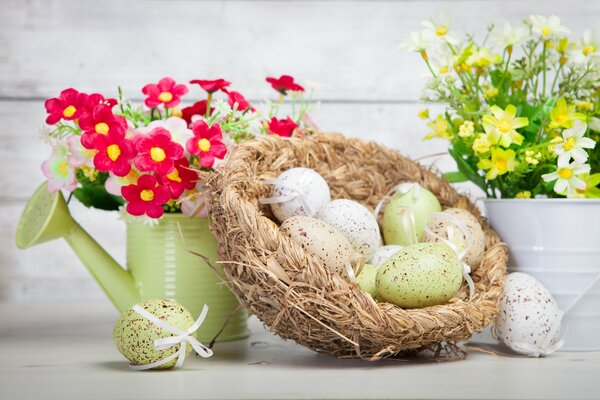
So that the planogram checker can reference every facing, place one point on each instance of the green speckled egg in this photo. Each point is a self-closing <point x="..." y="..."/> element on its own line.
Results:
<point x="366" y="279"/>
<point x="420" y="275"/>
<point x="422" y="204"/>
<point x="134" y="335"/>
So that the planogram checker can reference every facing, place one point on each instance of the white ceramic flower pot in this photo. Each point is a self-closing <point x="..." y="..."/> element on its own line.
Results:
<point x="558" y="242"/>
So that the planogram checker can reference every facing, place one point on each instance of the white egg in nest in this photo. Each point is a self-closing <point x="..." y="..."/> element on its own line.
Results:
<point x="354" y="221"/>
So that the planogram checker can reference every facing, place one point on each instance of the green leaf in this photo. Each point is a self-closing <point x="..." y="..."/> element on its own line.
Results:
<point x="455" y="177"/>
<point x="468" y="170"/>
<point x="94" y="194"/>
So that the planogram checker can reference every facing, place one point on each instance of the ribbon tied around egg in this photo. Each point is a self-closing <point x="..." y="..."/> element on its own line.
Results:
<point x="181" y="338"/>
<point x="296" y="193"/>
<point x="407" y="217"/>
<point x="451" y="242"/>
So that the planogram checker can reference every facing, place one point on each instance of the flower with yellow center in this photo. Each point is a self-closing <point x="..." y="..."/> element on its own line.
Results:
<point x="157" y="154"/>
<point x="102" y="128"/>
<point x="424" y="114"/>
<point x="174" y="176"/>
<point x="563" y="115"/>
<point x="548" y="28"/>
<point x="481" y="144"/>
<point x="113" y="151"/>
<point x="69" y="111"/>
<point x="440" y="128"/>
<point x="567" y="177"/>
<point x="585" y="50"/>
<point x="501" y="162"/>
<point x="574" y="143"/>
<point x="204" y="145"/>
<point x="165" y="97"/>
<point x="591" y="191"/>
<point x="501" y="125"/>
<point x="440" y="28"/>
<point x="483" y="57"/>
<point x="466" y="129"/>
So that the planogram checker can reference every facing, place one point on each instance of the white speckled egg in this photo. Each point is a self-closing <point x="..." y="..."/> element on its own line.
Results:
<point x="304" y="191"/>
<point x="355" y="221"/>
<point x="529" y="319"/>
<point x="448" y="230"/>
<point x="420" y="275"/>
<point x="366" y="279"/>
<point x="383" y="253"/>
<point x="322" y="241"/>
<point x="416" y="199"/>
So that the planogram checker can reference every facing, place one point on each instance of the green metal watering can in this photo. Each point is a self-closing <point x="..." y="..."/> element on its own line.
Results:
<point x="159" y="265"/>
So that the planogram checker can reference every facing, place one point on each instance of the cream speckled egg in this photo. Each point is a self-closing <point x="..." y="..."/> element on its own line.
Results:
<point x="134" y="335"/>
<point x="448" y="230"/>
<point x="421" y="202"/>
<point x="355" y="221"/>
<point x="383" y="253"/>
<point x="420" y="275"/>
<point x="322" y="241"/>
<point x="366" y="279"/>
<point x="529" y="319"/>
<point x="306" y="192"/>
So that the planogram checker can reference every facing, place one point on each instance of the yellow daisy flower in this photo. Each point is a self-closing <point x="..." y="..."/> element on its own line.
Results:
<point x="563" y="115"/>
<point x="481" y="144"/>
<point x="502" y="125"/>
<point x="440" y="128"/>
<point x="501" y="162"/>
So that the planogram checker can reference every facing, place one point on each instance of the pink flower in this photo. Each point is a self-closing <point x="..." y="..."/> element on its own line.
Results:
<point x="206" y="143"/>
<point x="198" y="108"/>
<point x="69" y="105"/>
<point x="237" y="98"/>
<point x="100" y="122"/>
<point x="114" y="154"/>
<point x="60" y="174"/>
<point x="284" y="83"/>
<point x="79" y="155"/>
<point x="166" y="92"/>
<point x="157" y="152"/>
<point x="146" y="197"/>
<point x="211" y="85"/>
<point x="282" y="127"/>
<point x="95" y="99"/>
<point x="180" y="179"/>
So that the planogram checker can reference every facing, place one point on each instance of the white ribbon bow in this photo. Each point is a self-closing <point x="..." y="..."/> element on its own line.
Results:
<point x="296" y="193"/>
<point x="460" y="253"/>
<point x="181" y="339"/>
<point x="407" y="216"/>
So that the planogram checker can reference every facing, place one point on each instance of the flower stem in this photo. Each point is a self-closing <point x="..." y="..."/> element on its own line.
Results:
<point x="208" y="101"/>
<point x="543" y="94"/>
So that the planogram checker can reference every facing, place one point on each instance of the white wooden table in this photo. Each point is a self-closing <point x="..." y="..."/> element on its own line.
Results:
<point x="65" y="351"/>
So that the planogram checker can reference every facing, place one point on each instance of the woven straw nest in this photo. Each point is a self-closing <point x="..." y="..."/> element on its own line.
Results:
<point x="293" y="294"/>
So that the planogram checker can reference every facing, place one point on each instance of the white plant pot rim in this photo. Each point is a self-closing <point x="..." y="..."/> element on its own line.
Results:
<point x="542" y="200"/>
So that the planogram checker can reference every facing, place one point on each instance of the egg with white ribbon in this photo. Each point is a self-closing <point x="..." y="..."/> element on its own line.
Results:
<point x="383" y="253"/>
<point x="297" y="191"/>
<point x="529" y="321"/>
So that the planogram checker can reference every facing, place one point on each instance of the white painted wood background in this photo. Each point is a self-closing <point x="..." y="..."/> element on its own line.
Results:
<point x="367" y="87"/>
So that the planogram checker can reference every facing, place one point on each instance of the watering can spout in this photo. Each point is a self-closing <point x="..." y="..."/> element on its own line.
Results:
<point x="46" y="217"/>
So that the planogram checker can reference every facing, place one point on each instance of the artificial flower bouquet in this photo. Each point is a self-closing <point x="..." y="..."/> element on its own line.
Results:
<point x="143" y="160"/>
<point x="522" y="114"/>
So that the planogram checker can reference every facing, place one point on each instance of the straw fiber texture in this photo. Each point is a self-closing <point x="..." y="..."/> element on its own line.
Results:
<point x="293" y="294"/>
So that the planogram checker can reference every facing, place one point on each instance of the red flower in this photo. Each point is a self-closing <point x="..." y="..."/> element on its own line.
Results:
<point x="211" y="85"/>
<point x="180" y="179"/>
<point x="166" y="92"/>
<point x="157" y="152"/>
<point x="285" y="83"/>
<point x="236" y="97"/>
<point x="282" y="127"/>
<point x="95" y="99"/>
<point x="198" y="108"/>
<point x="69" y="105"/>
<point x="206" y="143"/>
<point x="146" y="197"/>
<point x="113" y="154"/>
<point x="100" y="122"/>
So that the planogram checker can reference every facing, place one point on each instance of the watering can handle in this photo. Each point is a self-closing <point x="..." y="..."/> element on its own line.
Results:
<point x="116" y="282"/>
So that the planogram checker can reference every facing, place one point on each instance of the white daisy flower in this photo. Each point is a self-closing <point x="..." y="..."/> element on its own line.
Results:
<point x="585" y="50"/>
<point x="509" y="35"/>
<point x="548" y="28"/>
<point x="418" y="42"/>
<point x="440" y="28"/>
<point x="574" y="144"/>
<point x="567" y="177"/>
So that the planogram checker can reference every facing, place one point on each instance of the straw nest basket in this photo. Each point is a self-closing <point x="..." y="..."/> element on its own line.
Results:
<point x="293" y="294"/>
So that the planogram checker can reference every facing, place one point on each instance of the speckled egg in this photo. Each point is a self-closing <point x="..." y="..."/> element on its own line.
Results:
<point x="420" y="275"/>
<point x="306" y="190"/>
<point x="383" y="253"/>
<point x="366" y="279"/>
<point x="529" y="319"/>
<point x="355" y="221"/>
<point x="134" y="335"/>
<point x="417" y="199"/>
<point x="448" y="230"/>
<point x="322" y="241"/>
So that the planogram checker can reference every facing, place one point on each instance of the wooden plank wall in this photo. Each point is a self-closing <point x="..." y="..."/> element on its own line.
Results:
<point x="366" y="87"/>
